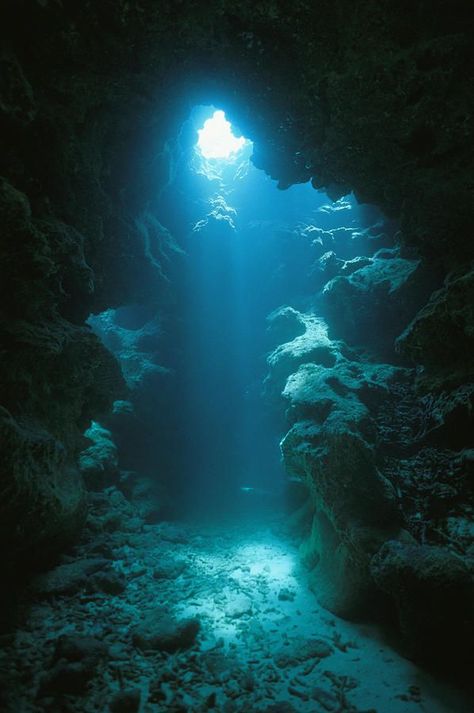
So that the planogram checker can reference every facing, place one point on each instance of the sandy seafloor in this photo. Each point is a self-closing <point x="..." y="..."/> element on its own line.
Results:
<point x="264" y="643"/>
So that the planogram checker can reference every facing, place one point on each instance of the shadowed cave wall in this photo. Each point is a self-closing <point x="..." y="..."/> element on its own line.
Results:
<point x="362" y="97"/>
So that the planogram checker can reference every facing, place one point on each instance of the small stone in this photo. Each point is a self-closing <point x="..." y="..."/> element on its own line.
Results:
<point x="174" y="534"/>
<point x="211" y="700"/>
<point x="286" y="595"/>
<point x="67" y="677"/>
<point x="280" y="707"/>
<point x="328" y="700"/>
<point x="301" y="650"/>
<point x="127" y="701"/>
<point x="109" y="582"/>
<point x="238" y="606"/>
<point x="169" y="569"/>
<point x="79" y="648"/>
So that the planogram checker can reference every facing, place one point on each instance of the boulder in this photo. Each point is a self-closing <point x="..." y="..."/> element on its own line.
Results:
<point x="68" y="578"/>
<point x="161" y="631"/>
<point x="74" y="647"/>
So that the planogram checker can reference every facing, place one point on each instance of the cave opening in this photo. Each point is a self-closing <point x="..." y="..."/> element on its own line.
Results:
<point x="216" y="138"/>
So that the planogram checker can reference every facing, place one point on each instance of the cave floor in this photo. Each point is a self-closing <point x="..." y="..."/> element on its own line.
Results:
<point x="264" y="644"/>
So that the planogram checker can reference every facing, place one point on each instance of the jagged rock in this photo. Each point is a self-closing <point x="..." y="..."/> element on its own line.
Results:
<point x="441" y="336"/>
<point x="382" y="292"/>
<point x="134" y="347"/>
<point x="17" y="101"/>
<point x="42" y="495"/>
<point x="161" y="631"/>
<point x="313" y="345"/>
<point x="43" y="498"/>
<point x="433" y="591"/>
<point x="99" y="462"/>
<point x="285" y="324"/>
<point x="329" y="450"/>
<point x="15" y="207"/>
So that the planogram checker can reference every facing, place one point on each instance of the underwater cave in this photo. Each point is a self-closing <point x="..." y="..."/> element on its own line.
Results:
<point x="236" y="354"/>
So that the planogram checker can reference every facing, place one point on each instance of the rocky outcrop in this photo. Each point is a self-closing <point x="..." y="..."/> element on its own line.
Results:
<point x="387" y="506"/>
<point x="313" y="345"/>
<point x="47" y="406"/>
<point x="441" y="336"/>
<point x="371" y="299"/>
<point x="330" y="449"/>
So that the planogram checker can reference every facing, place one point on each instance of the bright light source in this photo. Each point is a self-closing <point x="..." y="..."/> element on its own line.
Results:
<point x="216" y="139"/>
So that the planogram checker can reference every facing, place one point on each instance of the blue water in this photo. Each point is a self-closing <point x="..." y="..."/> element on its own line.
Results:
<point x="206" y="425"/>
<point x="248" y="251"/>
